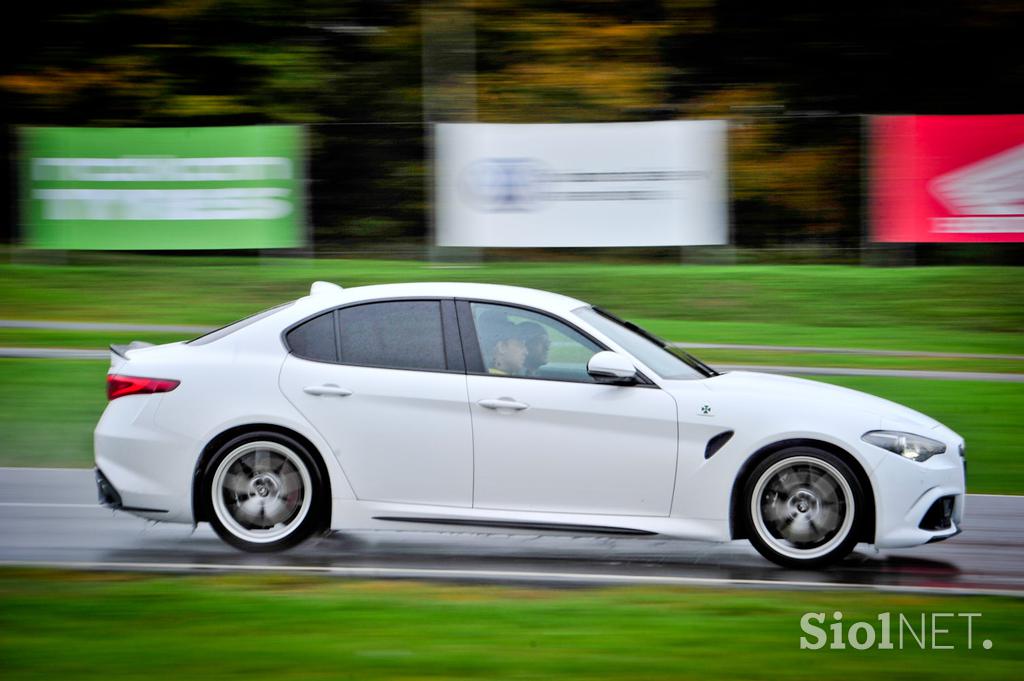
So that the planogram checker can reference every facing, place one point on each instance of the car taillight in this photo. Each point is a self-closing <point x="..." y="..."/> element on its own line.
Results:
<point x="119" y="386"/>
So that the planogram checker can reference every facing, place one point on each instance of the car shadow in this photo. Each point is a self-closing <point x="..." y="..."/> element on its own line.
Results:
<point x="539" y="555"/>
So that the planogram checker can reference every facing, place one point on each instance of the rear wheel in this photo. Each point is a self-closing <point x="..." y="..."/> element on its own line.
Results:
<point x="264" y="492"/>
<point x="802" y="507"/>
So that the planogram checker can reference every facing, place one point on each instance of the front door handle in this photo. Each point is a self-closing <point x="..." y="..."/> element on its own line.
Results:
<point x="503" y="403"/>
<point x="329" y="389"/>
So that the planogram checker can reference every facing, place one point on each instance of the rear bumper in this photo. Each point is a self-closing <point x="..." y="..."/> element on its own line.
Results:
<point x="108" y="495"/>
<point x="111" y="498"/>
<point x="142" y="468"/>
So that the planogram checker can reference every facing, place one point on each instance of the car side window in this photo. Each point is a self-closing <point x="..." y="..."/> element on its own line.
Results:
<point x="526" y="344"/>
<point x="315" y="339"/>
<point x="404" y="334"/>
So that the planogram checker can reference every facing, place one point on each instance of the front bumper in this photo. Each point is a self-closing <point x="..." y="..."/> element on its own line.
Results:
<point x="919" y="503"/>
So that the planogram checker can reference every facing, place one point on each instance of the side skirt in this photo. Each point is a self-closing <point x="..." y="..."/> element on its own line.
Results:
<point x="513" y="525"/>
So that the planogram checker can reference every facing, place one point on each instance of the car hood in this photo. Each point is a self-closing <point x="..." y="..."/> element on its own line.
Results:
<point x="787" y="388"/>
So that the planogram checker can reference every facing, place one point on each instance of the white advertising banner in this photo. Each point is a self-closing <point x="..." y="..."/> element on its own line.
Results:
<point x="590" y="184"/>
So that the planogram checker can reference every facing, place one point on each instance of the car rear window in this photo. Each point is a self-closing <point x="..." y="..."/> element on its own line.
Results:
<point x="315" y="339"/>
<point x="402" y="334"/>
<point x="217" y="334"/>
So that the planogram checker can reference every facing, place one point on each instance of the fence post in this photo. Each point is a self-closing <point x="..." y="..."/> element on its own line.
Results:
<point x="449" y="94"/>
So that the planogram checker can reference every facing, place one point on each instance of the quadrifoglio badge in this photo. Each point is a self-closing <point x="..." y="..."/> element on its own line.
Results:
<point x="892" y="631"/>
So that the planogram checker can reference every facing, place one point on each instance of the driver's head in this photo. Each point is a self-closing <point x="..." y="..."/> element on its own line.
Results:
<point x="537" y="344"/>
<point x="508" y="350"/>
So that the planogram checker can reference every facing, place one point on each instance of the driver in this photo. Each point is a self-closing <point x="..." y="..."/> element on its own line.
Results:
<point x="505" y="349"/>
<point x="537" y="346"/>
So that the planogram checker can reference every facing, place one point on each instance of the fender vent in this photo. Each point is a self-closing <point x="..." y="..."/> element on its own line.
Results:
<point x="716" y="443"/>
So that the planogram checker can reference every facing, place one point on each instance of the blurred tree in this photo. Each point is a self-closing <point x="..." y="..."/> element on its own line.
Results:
<point x="875" y="56"/>
<point x="557" y="65"/>
<point x="233" y="62"/>
<point x="791" y="75"/>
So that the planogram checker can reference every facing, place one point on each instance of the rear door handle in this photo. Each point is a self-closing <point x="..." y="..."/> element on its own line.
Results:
<point x="503" y="403"/>
<point x="328" y="389"/>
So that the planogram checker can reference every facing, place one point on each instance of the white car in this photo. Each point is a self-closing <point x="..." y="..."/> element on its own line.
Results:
<point x="407" y="406"/>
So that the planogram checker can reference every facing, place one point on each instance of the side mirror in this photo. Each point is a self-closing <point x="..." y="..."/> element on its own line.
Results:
<point x="611" y="367"/>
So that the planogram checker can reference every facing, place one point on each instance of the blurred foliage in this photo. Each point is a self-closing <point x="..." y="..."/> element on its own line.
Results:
<point x="790" y="75"/>
<point x="557" y="66"/>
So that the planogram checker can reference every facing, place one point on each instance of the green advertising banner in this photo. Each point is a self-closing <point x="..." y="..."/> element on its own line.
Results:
<point x="163" y="188"/>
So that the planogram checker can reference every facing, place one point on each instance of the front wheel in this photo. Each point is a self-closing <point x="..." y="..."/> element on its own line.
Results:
<point x="264" y="492"/>
<point x="802" y="508"/>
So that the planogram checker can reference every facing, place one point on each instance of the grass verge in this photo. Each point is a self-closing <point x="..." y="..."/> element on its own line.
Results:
<point x="987" y="415"/>
<point x="102" y="626"/>
<point x="48" y="409"/>
<point x="963" y="309"/>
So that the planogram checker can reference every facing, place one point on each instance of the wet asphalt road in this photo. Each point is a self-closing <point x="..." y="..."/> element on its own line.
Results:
<point x="50" y="517"/>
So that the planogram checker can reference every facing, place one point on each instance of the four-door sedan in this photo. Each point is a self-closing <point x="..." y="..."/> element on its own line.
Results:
<point x="477" y="406"/>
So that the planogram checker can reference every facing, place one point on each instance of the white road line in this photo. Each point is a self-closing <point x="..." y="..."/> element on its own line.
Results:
<point x="512" y="576"/>
<point x="103" y="326"/>
<point x="884" y="373"/>
<point x="845" y="351"/>
<point x="53" y="353"/>
<point x="998" y="496"/>
<point x="42" y="468"/>
<point x="33" y="504"/>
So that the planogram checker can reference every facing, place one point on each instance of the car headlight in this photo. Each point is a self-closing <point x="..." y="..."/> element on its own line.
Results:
<point x="907" y="445"/>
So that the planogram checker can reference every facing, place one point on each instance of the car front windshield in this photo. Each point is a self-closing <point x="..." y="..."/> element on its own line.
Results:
<point x="645" y="346"/>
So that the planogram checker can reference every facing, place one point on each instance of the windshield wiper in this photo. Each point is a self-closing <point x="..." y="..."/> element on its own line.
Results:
<point x="692" y="361"/>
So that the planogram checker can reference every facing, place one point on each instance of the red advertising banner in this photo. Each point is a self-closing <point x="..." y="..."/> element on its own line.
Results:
<point x="947" y="178"/>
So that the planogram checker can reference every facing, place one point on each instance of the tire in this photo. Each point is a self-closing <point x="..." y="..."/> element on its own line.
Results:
<point x="802" y="508"/>
<point x="264" y="492"/>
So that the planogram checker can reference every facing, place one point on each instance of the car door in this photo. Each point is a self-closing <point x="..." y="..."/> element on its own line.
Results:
<point x="547" y="437"/>
<point x="384" y="384"/>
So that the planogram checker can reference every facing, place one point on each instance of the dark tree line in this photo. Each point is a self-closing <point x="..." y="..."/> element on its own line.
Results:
<point x="793" y="76"/>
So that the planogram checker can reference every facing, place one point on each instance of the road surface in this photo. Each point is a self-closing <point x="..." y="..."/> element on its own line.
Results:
<point x="50" y="517"/>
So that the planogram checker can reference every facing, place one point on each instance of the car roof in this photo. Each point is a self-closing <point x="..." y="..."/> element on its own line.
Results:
<point x="517" y="295"/>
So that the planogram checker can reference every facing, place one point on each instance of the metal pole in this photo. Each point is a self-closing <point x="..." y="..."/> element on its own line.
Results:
<point x="866" y="186"/>
<point x="449" y="91"/>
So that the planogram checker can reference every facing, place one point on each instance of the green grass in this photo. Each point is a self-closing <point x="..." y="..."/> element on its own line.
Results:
<point x="914" y="335"/>
<point x="716" y="356"/>
<point x="987" y="415"/>
<point x="48" y="409"/>
<point x="89" y="340"/>
<point x="99" y="626"/>
<point x="966" y="309"/>
<point x="953" y="309"/>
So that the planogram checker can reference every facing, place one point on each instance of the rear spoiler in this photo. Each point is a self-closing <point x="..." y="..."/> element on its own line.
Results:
<point x="119" y="353"/>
